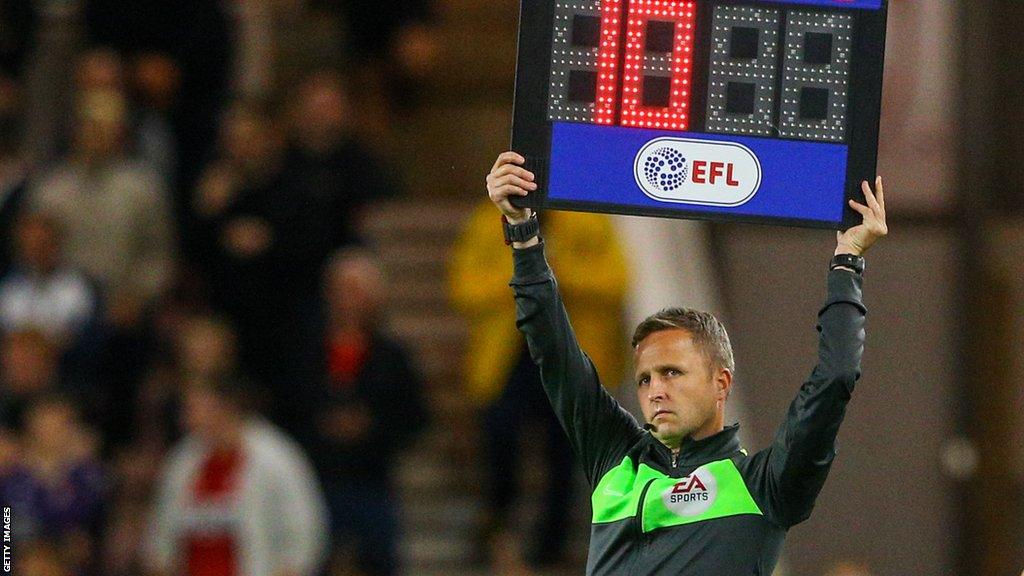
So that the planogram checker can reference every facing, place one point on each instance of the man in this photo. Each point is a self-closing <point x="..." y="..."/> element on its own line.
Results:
<point x="365" y="417"/>
<point x="679" y="495"/>
<point x="236" y="496"/>
<point x="112" y="209"/>
<point x="42" y="291"/>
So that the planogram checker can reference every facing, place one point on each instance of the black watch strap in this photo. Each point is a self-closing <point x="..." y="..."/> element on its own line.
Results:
<point x="855" y="263"/>
<point x="520" y="232"/>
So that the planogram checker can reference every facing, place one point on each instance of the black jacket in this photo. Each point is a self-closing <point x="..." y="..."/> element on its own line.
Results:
<point x="714" y="509"/>
<point x="389" y="387"/>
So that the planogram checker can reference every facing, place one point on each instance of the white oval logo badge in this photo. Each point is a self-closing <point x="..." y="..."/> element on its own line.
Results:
<point x="697" y="171"/>
<point x="692" y="495"/>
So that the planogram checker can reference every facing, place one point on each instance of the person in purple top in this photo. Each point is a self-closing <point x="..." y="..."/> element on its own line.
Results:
<point x="55" y="486"/>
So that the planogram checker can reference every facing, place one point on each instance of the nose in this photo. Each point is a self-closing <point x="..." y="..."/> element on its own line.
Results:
<point x="656" y="392"/>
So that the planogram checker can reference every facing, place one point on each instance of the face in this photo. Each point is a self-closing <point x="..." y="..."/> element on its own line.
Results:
<point x="249" y="140"/>
<point x="679" y="392"/>
<point x="51" y="426"/>
<point x="157" y="79"/>
<point x="207" y="348"/>
<point x="38" y="244"/>
<point x="321" y="115"/>
<point x="205" y="415"/>
<point x="28" y="363"/>
<point x="100" y="69"/>
<point x="354" y="290"/>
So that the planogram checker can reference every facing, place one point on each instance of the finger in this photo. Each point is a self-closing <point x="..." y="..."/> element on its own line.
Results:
<point x="513" y="169"/>
<point x="500" y="193"/>
<point x="513" y="190"/>
<point x="515" y="180"/>
<point x="860" y="208"/>
<point x="880" y="192"/>
<point x="869" y="196"/>
<point x="507" y="158"/>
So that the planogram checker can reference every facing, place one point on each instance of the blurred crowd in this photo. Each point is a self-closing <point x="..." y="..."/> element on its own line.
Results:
<point x="195" y="372"/>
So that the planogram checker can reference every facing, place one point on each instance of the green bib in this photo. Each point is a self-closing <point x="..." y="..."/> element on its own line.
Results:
<point x="715" y="490"/>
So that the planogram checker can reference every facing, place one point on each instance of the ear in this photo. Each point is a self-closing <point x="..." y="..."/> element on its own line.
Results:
<point x="723" y="383"/>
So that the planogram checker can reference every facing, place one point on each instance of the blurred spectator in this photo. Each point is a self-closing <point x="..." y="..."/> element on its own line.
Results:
<point x="236" y="495"/>
<point x="196" y="37"/>
<point x="375" y="30"/>
<point x="118" y="231"/>
<point x="100" y="69"/>
<point x="152" y="82"/>
<point x="94" y="71"/>
<point x="206" y="349"/>
<point x="327" y="162"/>
<point x="42" y="558"/>
<point x="57" y="491"/>
<point x="395" y="45"/>
<point x="372" y="407"/>
<point x="28" y="368"/>
<point x="258" y="240"/>
<point x="42" y="291"/>
<point x="155" y="84"/>
<point x="503" y="380"/>
<point x="201" y="348"/>
<point x="114" y="210"/>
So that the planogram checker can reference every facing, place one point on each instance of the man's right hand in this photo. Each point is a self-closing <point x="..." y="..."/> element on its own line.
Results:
<point x="508" y="178"/>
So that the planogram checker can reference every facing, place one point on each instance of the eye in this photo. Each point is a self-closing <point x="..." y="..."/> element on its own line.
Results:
<point x="672" y="372"/>
<point x="644" y="381"/>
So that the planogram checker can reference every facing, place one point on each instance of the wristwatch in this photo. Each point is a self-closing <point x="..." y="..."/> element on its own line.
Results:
<point x="520" y="232"/>
<point x="855" y="263"/>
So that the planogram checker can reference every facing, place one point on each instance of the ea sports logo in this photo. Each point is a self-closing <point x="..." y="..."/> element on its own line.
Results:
<point x="691" y="495"/>
<point x="684" y="170"/>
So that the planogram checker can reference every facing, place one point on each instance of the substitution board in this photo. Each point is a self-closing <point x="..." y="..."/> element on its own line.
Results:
<point x="760" y="110"/>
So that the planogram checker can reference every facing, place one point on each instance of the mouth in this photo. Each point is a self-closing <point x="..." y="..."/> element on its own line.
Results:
<point x="660" y="412"/>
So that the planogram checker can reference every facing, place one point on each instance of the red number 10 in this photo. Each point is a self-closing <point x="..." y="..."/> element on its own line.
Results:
<point x="656" y="74"/>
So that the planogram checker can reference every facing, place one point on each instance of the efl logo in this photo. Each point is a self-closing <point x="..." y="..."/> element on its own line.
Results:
<point x="697" y="171"/>
<point x="691" y="495"/>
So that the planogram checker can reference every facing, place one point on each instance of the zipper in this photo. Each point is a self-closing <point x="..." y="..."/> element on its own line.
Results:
<point x="640" y="511"/>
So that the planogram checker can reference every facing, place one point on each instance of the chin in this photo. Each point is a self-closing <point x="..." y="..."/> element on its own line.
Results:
<point x="669" y="435"/>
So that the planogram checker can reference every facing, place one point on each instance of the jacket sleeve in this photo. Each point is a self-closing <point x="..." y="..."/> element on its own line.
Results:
<point x="791" y="472"/>
<point x="599" y="430"/>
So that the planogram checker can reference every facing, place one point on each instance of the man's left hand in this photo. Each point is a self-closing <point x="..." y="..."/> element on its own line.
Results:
<point x="858" y="239"/>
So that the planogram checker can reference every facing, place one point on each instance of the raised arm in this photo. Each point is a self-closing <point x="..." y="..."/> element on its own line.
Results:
<point x="798" y="461"/>
<point x="599" y="430"/>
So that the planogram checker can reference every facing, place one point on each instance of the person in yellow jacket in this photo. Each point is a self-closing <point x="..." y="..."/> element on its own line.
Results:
<point x="499" y="375"/>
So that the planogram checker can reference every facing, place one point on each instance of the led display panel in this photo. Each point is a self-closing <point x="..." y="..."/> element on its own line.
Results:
<point x="758" y="110"/>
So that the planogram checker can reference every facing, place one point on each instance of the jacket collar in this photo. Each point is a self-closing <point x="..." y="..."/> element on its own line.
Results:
<point x="715" y="447"/>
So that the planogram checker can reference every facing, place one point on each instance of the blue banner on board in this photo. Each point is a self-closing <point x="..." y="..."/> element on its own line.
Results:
<point x="709" y="173"/>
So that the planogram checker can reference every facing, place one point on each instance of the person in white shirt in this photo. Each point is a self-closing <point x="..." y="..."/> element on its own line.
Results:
<point x="42" y="291"/>
<point x="237" y="497"/>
